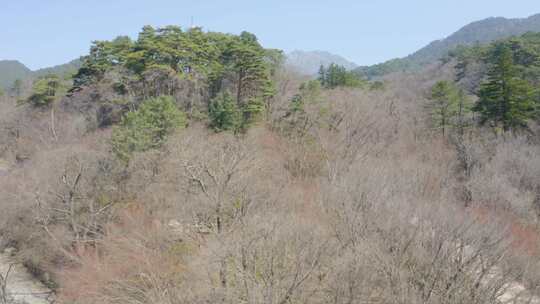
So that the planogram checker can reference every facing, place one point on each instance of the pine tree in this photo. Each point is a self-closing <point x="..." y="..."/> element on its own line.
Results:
<point x="45" y="91"/>
<point x="504" y="99"/>
<point x="247" y="61"/>
<point x="147" y="127"/>
<point x="463" y="111"/>
<point x="17" y="88"/>
<point x="224" y="113"/>
<point x="322" y="75"/>
<point x="443" y="104"/>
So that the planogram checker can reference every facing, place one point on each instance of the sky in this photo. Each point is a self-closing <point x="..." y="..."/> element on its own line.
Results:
<point x="42" y="33"/>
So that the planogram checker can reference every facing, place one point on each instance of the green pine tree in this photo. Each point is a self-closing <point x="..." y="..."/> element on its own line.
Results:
<point x="224" y="113"/>
<point x="443" y="104"/>
<point x="322" y="75"/>
<point x="505" y="99"/>
<point x="16" y="88"/>
<point x="147" y="127"/>
<point x="45" y="91"/>
<point x="464" y="106"/>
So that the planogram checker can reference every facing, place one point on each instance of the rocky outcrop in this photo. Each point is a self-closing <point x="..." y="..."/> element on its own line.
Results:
<point x="17" y="285"/>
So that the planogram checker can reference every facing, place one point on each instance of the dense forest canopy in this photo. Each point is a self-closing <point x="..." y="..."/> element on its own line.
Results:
<point x="161" y="60"/>
<point x="193" y="53"/>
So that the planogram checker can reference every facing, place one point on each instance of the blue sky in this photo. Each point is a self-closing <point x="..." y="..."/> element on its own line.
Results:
<point x="42" y="33"/>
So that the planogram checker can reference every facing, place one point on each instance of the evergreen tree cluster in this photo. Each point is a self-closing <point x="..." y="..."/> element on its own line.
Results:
<point x="508" y="90"/>
<point x="506" y="97"/>
<point x="230" y="67"/>
<point x="337" y="76"/>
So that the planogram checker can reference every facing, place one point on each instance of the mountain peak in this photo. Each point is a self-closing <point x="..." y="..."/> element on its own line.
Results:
<point x="309" y="62"/>
<point x="10" y="70"/>
<point x="14" y="63"/>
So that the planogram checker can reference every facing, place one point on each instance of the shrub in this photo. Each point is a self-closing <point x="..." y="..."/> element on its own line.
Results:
<point x="148" y="127"/>
<point x="311" y="91"/>
<point x="377" y="86"/>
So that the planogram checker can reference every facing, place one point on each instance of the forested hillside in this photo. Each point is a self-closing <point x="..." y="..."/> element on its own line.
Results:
<point x="15" y="75"/>
<point x="190" y="166"/>
<point x="479" y="32"/>
<point x="63" y="70"/>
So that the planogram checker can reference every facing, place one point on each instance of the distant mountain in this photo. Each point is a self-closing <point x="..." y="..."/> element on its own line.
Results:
<point x="309" y="62"/>
<point x="481" y="32"/>
<point x="62" y="69"/>
<point x="11" y="70"/>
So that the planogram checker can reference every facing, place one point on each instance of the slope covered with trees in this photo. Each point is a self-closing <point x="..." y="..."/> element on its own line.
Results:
<point x="505" y="77"/>
<point x="479" y="32"/>
<point x="189" y="64"/>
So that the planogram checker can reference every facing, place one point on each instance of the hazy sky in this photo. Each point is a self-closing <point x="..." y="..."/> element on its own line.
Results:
<point x="42" y="33"/>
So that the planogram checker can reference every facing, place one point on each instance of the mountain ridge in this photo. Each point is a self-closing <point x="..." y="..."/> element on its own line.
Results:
<point x="11" y="70"/>
<point x="309" y="62"/>
<point x="482" y="31"/>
